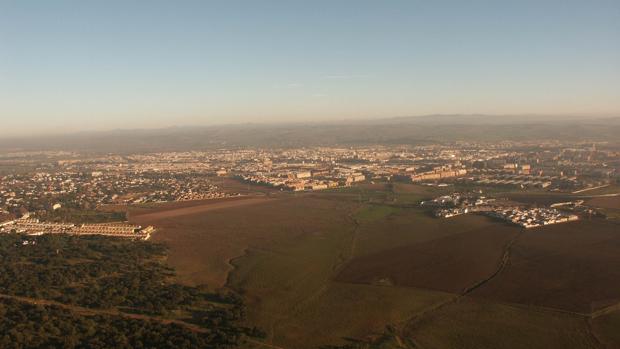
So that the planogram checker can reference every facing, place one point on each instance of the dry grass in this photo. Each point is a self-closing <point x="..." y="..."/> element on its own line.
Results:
<point x="292" y="253"/>
<point x="479" y="324"/>
<point x="449" y="255"/>
<point x="572" y="266"/>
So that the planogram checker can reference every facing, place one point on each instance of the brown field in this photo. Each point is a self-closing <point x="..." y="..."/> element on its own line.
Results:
<point x="572" y="266"/>
<point x="173" y="210"/>
<point x="406" y="227"/>
<point x="289" y="288"/>
<point x="344" y="311"/>
<point x="543" y="198"/>
<point x="607" y="329"/>
<point x="317" y="268"/>
<point x="233" y="185"/>
<point x="285" y="253"/>
<point x="203" y="241"/>
<point x="449" y="263"/>
<point x="612" y="202"/>
<point x="478" y="324"/>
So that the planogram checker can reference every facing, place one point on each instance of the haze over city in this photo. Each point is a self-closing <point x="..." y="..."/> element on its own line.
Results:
<point x="284" y="174"/>
<point x="69" y="66"/>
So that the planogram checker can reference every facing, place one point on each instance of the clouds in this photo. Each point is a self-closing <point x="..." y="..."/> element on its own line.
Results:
<point x="345" y="76"/>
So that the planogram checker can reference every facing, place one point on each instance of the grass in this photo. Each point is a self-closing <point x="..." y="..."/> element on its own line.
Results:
<point x="373" y="213"/>
<point x="202" y="245"/>
<point x="478" y="325"/>
<point x="283" y="256"/>
<point x="281" y="280"/>
<point x="344" y="311"/>
<point x="572" y="266"/>
<point x="411" y="226"/>
<point x="413" y="194"/>
<point x="452" y="256"/>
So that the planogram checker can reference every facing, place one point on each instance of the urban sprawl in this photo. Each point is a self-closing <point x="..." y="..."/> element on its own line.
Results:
<point x="38" y="187"/>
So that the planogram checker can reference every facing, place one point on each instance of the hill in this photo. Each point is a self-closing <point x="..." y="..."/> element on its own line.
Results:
<point x="401" y="130"/>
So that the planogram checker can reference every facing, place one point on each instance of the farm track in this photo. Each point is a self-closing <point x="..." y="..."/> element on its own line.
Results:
<point x="346" y="257"/>
<point x="592" y="333"/>
<point x="604" y="311"/>
<point x="502" y="265"/>
<point x="457" y="297"/>
<point x="504" y="261"/>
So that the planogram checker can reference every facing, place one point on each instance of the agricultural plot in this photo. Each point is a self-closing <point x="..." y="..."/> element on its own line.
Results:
<point x="406" y="227"/>
<point x="574" y="267"/>
<point x="606" y="329"/>
<point x="344" y="311"/>
<point x="203" y="243"/>
<point x="450" y="263"/>
<point x="610" y="206"/>
<point x="610" y="202"/>
<point x="317" y="269"/>
<point x="477" y="324"/>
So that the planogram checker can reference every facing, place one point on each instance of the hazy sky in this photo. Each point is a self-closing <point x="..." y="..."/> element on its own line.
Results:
<point x="72" y="65"/>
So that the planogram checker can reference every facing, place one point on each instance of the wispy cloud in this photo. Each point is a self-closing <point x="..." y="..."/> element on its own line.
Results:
<point x="344" y="76"/>
<point x="290" y="85"/>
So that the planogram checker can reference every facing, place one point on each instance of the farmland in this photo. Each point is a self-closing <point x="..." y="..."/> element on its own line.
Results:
<point x="203" y="243"/>
<point x="478" y="324"/>
<point x="575" y="267"/>
<point x="322" y="268"/>
<point x="450" y="263"/>
<point x="606" y="327"/>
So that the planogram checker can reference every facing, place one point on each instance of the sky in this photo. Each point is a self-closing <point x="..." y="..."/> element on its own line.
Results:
<point x="68" y="66"/>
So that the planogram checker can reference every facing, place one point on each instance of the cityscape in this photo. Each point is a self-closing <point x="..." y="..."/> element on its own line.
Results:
<point x="36" y="201"/>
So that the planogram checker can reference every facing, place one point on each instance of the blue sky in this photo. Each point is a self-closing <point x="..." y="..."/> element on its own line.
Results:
<point x="77" y="65"/>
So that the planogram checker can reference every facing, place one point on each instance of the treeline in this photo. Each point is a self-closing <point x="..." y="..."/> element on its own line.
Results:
<point x="25" y="325"/>
<point x="93" y="272"/>
<point x="107" y="273"/>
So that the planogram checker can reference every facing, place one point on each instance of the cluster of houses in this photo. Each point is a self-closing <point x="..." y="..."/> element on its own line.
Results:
<point x="32" y="226"/>
<point x="455" y="204"/>
<point x="534" y="217"/>
<point x="44" y="191"/>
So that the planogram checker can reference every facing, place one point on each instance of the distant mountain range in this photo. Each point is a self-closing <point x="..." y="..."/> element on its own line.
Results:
<point x="397" y="130"/>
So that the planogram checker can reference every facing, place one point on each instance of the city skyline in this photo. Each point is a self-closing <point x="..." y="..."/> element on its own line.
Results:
<point x="71" y="66"/>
